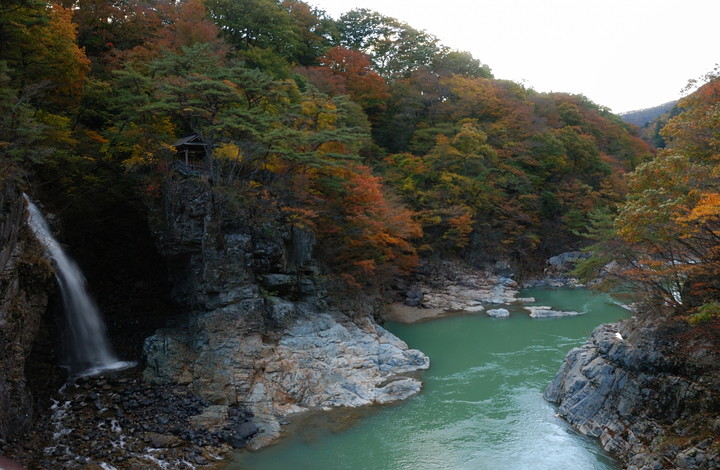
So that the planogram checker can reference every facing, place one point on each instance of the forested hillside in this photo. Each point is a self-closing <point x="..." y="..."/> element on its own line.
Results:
<point x="651" y="121"/>
<point x="372" y="134"/>
<point x="247" y="183"/>
<point x="642" y="117"/>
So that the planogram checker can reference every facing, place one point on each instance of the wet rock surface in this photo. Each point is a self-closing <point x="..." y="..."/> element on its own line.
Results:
<point x="548" y="312"/>
<point x="650" y="394"/>
<point x="119" y="422"/>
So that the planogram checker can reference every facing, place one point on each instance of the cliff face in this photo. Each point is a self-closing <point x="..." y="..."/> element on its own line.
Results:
<point x="649" y="390"/>
<point x="26" y="347"/>
<point x="260" y="328"/>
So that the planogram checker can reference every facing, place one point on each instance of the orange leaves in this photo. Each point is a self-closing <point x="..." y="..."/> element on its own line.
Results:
<point x="39" y="43"/>
<point x="670" y="224"/>
<point x="365" y="232"/>
<point x="696" y="131"/>
<point x="706" y="209"/>
<point x="460" y="229"/>
<point x="301" y="217"/>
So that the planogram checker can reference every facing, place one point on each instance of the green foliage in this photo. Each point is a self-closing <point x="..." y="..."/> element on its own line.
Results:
<point x="253" y="26"/>
<point x="450" y="62"/>
<point x="41" y="73"/>
<point x="705" y="313"/>
<point x="523" y="171"/>
<point x="395" y="48"/>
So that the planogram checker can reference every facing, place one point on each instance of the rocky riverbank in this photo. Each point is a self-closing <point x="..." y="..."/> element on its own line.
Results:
<point x="119" y="422"/>
<point x="649" y="390"/>
<point x="321" y="361"/>
<point x="451" y="287"/>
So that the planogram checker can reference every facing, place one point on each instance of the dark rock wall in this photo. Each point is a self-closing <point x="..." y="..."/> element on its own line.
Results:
<point x="27" y="287"/>
<point x="649" y="390"/>
<point x="221" y="252"/>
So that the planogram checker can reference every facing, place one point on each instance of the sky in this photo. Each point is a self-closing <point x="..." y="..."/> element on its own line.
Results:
<point x="622" y="54"/>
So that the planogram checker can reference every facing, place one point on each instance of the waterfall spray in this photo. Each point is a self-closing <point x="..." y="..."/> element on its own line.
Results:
<point x="88" y="351"/>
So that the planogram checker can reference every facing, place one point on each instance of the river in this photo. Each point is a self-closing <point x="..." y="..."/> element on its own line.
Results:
<point x="481" y="407"/>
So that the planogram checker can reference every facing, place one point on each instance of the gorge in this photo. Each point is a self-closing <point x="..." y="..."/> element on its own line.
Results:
<point x="481" y="405"/>
<point x="260" y="198"/>
<point x="290" y="351"/>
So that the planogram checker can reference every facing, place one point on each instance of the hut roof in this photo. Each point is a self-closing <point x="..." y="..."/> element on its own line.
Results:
<point x="192" y="140"/>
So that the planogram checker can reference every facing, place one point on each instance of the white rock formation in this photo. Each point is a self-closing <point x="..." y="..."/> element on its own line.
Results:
<point x="548" y="312"/>
<point x="319" y="362"/>
<point x="499" y="313"/>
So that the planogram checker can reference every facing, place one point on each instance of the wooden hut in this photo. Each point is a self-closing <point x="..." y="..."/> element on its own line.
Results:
<point x="191" y="148"/>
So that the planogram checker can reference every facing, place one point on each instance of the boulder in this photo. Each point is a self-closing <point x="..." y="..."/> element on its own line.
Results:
<point x="499" y="313"/>
<point x="414" y="297"/>
<point x="548" y="312"/>
<point x="163" y="441"/>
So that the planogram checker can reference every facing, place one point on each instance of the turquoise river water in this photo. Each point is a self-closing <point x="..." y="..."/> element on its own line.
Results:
<point x="481" y="407"/>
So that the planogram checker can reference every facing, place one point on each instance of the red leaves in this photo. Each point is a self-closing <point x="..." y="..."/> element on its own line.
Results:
<point x="349" y="71"/>
<point x="366" y="233"/>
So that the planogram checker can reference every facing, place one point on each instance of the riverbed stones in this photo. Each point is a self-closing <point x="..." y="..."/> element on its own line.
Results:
<point x="169" y="427"/>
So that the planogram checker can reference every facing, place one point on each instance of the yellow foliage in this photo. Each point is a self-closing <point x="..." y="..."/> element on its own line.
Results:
<point x="228" y="151"/>
<point x="317" y="114"/>
<point x="707" y="207"/>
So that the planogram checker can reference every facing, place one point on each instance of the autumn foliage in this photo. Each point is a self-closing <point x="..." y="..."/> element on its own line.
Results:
<point x="666" y="237"/>
<point x="368" y="132"/>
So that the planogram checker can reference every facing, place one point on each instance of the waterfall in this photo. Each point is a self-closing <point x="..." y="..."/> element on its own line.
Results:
<point x="87" y="351"/>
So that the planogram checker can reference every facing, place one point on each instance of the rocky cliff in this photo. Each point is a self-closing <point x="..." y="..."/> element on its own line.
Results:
<point x="26" y="288"/>
<point x="649" y="390"/>
<point x="261" y="329"/>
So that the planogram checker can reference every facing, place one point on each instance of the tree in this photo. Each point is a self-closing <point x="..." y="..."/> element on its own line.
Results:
<point x="256" y="24"/>
<point x="42" y="72"/>
<point x="451" y="62"/>
<point x="356" y="77"/>
<point x="666" y="235"/>
<point x="40" y="46"/>
<point x="184" y="24"/>
<point x="317" y="31"/>
<point x="395" y="48"/>
<point x="368" y="236"/>
<point x="106" y="27"/>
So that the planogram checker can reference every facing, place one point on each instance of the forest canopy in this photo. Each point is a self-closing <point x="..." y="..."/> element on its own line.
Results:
<point x="385" y="143"/>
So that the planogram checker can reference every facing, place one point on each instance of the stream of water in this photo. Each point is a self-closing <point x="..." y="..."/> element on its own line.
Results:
<point x="481" y="407"/>
<point x="86" y="350"/>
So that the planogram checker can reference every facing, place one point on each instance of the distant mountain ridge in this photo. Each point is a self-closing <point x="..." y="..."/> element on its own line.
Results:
<point x="643" y="116"/>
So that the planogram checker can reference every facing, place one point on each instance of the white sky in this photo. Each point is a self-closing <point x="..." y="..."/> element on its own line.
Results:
<point x="623" y="54"/>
